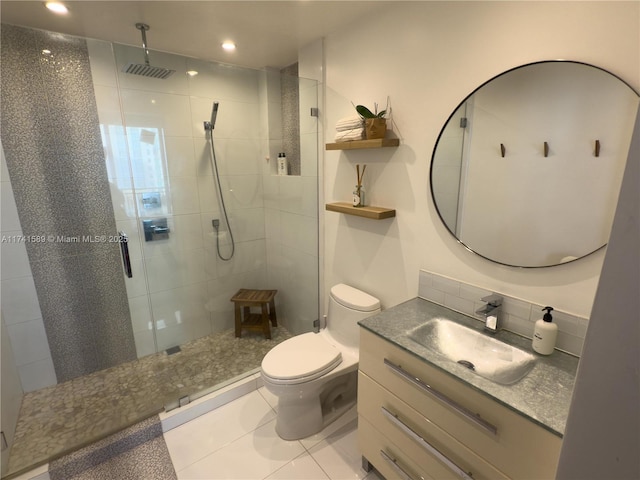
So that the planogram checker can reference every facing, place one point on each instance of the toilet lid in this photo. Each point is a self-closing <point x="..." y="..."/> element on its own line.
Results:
<point x="303" y="356"/>
<point x="353" y="298"/>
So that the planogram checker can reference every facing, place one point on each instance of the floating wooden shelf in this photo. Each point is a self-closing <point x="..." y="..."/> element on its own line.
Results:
<point x="376" y="213"/>
<point x="358" y="144"/>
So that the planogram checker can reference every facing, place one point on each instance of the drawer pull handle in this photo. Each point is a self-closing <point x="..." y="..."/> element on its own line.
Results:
<point x="394" y="464"/>
<point x="468" y="414"/>
<point x="426" y="445"/>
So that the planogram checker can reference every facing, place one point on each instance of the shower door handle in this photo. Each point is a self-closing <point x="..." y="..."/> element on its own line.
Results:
<point x="124" y="249"/>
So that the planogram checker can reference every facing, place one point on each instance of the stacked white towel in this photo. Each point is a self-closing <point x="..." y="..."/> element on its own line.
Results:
<point x="349" y="128"/>
<point x="349" y="135"/>
<point x="349" y="123"/>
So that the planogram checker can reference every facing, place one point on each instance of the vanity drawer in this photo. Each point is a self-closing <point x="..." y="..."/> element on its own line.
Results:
<point x="510" y="442"/>
<point x="432" y="449"/>
<point x="389" y="459"/>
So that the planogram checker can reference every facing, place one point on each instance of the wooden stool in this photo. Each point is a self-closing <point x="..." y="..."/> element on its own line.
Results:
<point x="244" y="300"/>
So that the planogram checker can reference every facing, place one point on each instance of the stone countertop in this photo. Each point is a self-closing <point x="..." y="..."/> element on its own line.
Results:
<point x="543" y="396"/>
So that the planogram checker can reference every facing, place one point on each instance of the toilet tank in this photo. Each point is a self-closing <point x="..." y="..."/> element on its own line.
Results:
<point x="347" y="306"/>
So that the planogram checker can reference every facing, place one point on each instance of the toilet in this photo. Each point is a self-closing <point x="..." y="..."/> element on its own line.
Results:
<point x="315" y="375"/>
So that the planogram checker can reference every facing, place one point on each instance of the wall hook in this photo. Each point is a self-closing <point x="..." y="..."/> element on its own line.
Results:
<point x="597" y="148"/>
<point x="546" y="149"/>
<point x="502" y="150"/>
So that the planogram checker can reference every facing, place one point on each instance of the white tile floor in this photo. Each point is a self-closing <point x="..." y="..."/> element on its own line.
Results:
<point x="238" y="441"/>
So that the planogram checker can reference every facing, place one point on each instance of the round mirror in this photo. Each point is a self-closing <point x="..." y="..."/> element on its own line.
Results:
<point x="526" y="171"/>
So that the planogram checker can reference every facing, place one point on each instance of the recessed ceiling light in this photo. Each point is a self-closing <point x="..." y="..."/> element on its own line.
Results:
<point x="57" y="7"/>
<point x="192" y="73"/>
<point x="229" y="46"/>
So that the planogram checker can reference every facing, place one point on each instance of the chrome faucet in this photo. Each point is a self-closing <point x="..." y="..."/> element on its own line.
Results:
<point x="491" y="312"/>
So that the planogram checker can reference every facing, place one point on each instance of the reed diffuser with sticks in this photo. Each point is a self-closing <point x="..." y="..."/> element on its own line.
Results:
<point x="358" y="193"/>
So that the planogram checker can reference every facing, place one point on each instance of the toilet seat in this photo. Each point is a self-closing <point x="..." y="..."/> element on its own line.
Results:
<point x="300" y="359"/>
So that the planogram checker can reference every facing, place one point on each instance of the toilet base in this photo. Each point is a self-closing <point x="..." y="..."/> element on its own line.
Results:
<point x="302" y="417"/>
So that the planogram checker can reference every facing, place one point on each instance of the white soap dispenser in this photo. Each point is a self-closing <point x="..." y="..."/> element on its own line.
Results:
<point x="545" y="334"/>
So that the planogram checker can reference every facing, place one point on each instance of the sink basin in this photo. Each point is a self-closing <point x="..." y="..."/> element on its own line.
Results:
<point x="486" y="356"/>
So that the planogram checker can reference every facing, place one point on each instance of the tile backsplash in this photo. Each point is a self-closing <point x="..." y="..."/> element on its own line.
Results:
<point x="518" y="316"/>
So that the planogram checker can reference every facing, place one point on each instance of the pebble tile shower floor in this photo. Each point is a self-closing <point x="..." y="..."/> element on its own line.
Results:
<point x="59" y="419"/>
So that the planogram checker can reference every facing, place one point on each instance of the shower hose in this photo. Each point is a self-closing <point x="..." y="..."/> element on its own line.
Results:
<point x="216" y="223"/>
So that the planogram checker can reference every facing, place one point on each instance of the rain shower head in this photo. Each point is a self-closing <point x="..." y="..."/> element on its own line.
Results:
<point x="145" y="69"/>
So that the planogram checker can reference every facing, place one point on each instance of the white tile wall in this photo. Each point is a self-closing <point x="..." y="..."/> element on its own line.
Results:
<point x="20" y="300"/>
<point x="291" y="213"/>
<point x="20" y="306"/>
<point x="137" y="285"/>
<point x="299" y="232"/>
<point x="169" y="113"/>
<point x="223" y="82"/>
<point x="309" y="154"/>
<point x="11" y="394"/>
<point x="29" y="341"/>
<point x="108" y="103"/>
<point x="8" y="211"/>
<point x="15" y="262"/>
<point x="175" y="270"/>
<point x="37" y="375"/>
<point x="102" y="66"/>
<point x="207" y="194"/>
<point x="181" y="160"/>
<point x="242" y="191"/>
<point x="145" y="343"/>
<point x="189" y="286"/>
<point x="519" y="315"/>
<point x="175" y="84"/>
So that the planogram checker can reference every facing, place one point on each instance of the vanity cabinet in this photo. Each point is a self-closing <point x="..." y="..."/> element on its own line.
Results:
<point x="417" y="419"/>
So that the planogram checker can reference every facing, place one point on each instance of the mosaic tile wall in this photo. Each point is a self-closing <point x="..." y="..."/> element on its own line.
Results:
<point x="55" y="160"/>
<point x="291" y="117"/>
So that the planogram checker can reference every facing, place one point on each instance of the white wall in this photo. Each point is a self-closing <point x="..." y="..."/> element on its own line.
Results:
<point x="427" y="56"/>
<point x="602" y="438"/>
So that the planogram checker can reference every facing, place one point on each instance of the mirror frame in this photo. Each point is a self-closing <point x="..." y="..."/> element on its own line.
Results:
<point x="446" y="123"/>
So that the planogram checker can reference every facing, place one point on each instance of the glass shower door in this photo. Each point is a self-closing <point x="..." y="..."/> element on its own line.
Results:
<point x="166" y="196"/>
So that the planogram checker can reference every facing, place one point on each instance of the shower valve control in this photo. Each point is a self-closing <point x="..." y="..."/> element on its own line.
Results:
<point x="155" y="229"/>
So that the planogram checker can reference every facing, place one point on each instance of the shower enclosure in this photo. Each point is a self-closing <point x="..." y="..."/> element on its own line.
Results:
<point x="94" y="157"/>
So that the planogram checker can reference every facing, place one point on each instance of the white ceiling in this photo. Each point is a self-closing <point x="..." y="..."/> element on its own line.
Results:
<point x="267" y="33"/>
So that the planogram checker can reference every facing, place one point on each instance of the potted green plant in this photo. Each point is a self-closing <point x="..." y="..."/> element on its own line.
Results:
<point x="375" y="122"/>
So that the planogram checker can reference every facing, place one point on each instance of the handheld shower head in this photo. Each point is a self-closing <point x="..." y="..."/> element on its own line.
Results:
<point x="214" y="114"/>
<point x="209" y="126"/>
